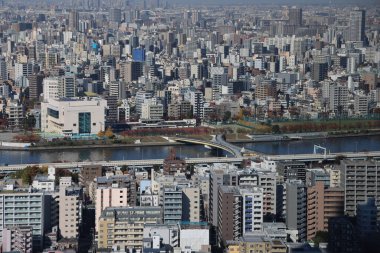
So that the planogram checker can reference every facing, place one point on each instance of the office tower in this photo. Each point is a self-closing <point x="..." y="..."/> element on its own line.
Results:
<point x="74" y="20"/>
<point x="319" y="71"/>
<point x="114" y="191"/>
<point x="296" y="207"/>
<point x="138" y="54"/>
<point x="295" y="16"/>
<point x="338" y="98"/>
<point x="124" y="226"/>
<point x="70" y="208"/>
<point x="50" y="88"/>
<point x="252" y="212"/>
<point x="323" y="203"/>
<point x="26" y="209"/>
<point x="172" y="205"/>
<point x="191" y="204"/>
<point x="18" y="239"/>
<point x="229" y="214"/>
<point x="361" y="181"/>
<point x="67" y="86"/>
<point x="131" y="71"/>
<point x="357" y="25"/>
<point x="35" y="86"/>
<point x="115" y="15"/>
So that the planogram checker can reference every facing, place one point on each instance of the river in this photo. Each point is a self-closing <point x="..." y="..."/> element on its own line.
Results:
<point x="346" y="144"/>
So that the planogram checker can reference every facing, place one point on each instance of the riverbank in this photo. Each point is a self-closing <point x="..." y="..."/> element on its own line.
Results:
<point x="231" y="138"/>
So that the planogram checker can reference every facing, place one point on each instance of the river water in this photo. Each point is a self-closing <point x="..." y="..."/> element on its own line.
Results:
<point x="347" y="144"/>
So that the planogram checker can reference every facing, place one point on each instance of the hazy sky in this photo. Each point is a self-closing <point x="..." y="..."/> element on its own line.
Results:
<point x="281" y="2"/>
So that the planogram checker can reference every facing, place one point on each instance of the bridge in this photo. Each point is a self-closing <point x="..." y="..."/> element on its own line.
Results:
<point x="217" y="142"/>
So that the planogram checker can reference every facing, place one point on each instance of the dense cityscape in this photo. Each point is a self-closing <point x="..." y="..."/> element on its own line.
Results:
<point x="166" y="126"/>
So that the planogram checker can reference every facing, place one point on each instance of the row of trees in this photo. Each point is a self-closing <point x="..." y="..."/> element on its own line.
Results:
<point x="27" y="174"/>
<point x="27" y="138"/>
<point x="167" y="131"/>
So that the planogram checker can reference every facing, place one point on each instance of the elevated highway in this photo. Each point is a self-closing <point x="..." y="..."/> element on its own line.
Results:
<point x="150" y="162"/>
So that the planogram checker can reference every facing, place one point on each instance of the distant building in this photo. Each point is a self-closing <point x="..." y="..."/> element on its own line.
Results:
<point x="357" y="25"/>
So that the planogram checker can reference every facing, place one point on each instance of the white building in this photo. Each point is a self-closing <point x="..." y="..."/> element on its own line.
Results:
<point x="252" y="209"/>
<point x="361" y="105"/>
<point x="152" y="111"/>
<point x="194" y="237"/>
<point x="73" y="116"/>
<point x="15" y="112"/>
<point x="50" y="88"/>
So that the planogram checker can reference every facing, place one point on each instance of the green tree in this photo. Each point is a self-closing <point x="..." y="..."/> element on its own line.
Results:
<point x="227" y="116"/>
<point x="276" y="129"/>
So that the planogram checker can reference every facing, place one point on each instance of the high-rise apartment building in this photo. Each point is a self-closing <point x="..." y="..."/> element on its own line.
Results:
<point x="70" y="208"/>
<point x="26" y="209"/>
<point x="191" y="204"/>
<point x="323" y="203"/>
<point x="360" y="181"/>
<point x="229" y="214"/>
<point x="172" y="205"/>
<point x="252" y="209"/>
<point x="114" y="191"/>
<point x="124" y="226"/>
<point x="296" y="208"/>
<point x="338" y="98"/>
<point x="67" y="86"/>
